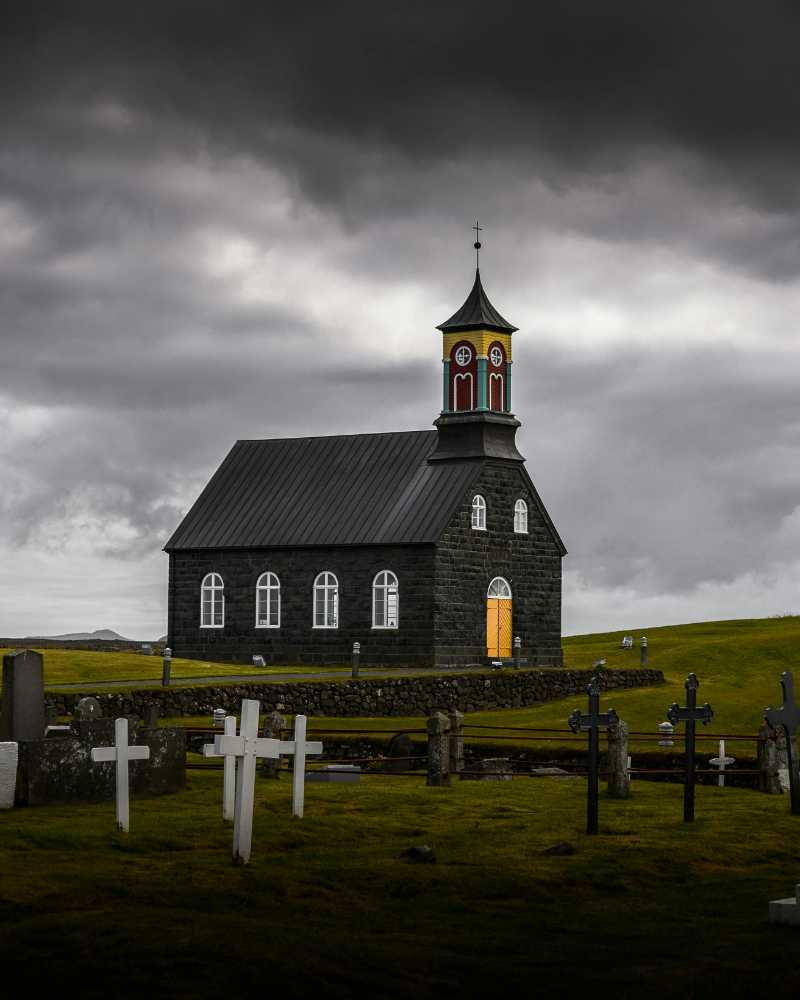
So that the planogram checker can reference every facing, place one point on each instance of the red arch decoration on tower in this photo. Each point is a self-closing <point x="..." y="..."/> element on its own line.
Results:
<point x="463" y="376"/>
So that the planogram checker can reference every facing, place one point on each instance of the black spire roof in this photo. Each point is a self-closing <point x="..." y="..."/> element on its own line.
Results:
<point x="477" y="313"/>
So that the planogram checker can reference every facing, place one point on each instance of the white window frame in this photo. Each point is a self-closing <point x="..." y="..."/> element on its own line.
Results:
<point x="465" y="376"/>
<point x="478" y="513"/>
<point x="520" y="517"/>
<point x="327" y="585"/>
<point x="499" y="583"/>
<point x="265" y="585"/>
<point x="382" y="586"/>
<point x="213" y="584"/>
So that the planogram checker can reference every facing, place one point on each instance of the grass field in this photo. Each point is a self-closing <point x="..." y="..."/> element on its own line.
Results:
<point x="72" y="666"/>
<point x="738" y="664"/>
<point x="650" y="908"/>
<point x="327" y="909"/>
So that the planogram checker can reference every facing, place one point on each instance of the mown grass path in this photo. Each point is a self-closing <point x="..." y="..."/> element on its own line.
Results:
<point x="650" y="908"/>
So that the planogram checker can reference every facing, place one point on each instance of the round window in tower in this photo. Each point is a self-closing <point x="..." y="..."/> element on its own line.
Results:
<point x="463" y="355"/>
<point x="496" y="356"/>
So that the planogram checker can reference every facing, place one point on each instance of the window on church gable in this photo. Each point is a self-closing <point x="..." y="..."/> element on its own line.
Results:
<point x="212" y="601"/>
<point x="478" y="513"/>
<point x="385" y="600"/>
<point x="268" y="601"/>
<point x="326" y="601"/>
<point x="521" y="517"/>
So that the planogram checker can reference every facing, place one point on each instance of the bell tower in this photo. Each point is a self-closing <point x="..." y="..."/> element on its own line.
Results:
<point x="476" y="419"/>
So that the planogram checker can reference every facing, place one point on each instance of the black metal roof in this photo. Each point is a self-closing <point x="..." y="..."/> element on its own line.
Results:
<point x="358" y="489"/>
<point x="477" y="313"/>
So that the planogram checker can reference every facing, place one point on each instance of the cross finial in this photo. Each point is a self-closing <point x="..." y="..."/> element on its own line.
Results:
<point x="478" y="230"/>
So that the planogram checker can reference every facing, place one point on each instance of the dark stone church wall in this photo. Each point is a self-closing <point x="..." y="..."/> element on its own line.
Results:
<point x="468" y="560"/>
<point x="296" y="641"/>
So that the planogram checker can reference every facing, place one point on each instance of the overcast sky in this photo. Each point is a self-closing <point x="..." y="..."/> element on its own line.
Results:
<point x="240" y="220"/>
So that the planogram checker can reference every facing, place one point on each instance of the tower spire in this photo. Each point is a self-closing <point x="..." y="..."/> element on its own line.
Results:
<point x="477" y="244"/>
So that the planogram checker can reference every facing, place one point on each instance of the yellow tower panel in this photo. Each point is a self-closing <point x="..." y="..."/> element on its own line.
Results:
<point x="481" y="340"/>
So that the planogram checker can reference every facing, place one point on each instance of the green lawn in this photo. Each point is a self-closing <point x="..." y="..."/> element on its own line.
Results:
<point x="738" y="664"/>
<point x="326" y="908"/>
<point x="69" y="666"/>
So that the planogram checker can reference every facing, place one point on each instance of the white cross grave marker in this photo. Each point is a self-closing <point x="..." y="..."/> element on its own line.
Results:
<point x="720" y="762"/>
<point x="248" y="747"/>
<point x="300" y="748"/>
<point x="121" y="752"/>
<point x="228" y="769"/>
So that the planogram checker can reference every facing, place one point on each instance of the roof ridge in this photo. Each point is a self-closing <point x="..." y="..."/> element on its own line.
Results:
<point x="329" y="437"/>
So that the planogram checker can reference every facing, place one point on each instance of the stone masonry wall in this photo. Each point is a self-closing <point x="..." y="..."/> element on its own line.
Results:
<point x="397" y="696"/>
<point x="468" y="560"/>
<point x="296" y="641"/>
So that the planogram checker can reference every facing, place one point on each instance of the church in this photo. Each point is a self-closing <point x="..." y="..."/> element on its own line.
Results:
<point x="429" y="548"/>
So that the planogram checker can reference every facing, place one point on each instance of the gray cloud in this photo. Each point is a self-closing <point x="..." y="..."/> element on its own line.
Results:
<point x="242" y="220"/>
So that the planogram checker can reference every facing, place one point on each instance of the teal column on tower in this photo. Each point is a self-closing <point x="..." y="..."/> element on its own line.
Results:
<point x="445" y="386"/>
<point x="482" y="380"/>
<point x="507" y="406"/>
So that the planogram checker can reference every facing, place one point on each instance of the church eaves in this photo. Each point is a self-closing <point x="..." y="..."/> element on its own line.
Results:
<point x="477" y="313"/>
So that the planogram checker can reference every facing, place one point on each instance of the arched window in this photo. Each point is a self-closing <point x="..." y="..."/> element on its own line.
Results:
<point x="464" y="374"/>
<point x="326" y="601"/>
<point x="496" y="392"/>
<point x="268" y="601"/>
<point x="478" y="513"/>
<point x="521" y="517"/>
<point x="385" y="600"/>
<point x="499" y="588"/>
<point x="212" y="601"/>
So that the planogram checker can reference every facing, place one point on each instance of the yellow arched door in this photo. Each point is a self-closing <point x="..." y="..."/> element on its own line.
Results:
<point x="498" y="619"/>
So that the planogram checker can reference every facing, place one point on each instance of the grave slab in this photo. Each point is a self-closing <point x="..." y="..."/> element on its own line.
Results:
<point x="786" y="911"/>
<point x="337" y="774"/>
<point x="9" y="755"/>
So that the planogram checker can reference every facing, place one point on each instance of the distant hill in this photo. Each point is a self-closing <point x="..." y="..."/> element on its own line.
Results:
<point x="105" y="634"/>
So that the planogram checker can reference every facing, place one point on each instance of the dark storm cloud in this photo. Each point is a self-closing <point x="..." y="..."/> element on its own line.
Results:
<point x="230" y="220"/>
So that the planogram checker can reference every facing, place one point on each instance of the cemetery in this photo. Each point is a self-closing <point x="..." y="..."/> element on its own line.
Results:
<point x="451" y="847"/>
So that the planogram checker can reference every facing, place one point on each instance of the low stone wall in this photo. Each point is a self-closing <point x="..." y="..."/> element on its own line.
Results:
<point x="396" y="696"/>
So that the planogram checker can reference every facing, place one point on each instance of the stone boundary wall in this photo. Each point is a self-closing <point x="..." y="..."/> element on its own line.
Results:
<point x="388" y="697"/>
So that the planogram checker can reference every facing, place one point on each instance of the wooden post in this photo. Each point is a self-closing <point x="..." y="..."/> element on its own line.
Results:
<point x="166" y="667"/>
<point x="456" y="742"/>
<point x="438" y="750"/>
<point x="619" y="781"/>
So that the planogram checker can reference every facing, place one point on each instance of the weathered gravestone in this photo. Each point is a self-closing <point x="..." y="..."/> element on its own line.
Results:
<point x="274" y="725"/>
<point x="9" y="754"/>
<point x="488" y="769"/>
<point x="62" y="770"/>
<point x="769" y="780"/>
<point x="22" y="716"/>
<point x="87" y="709"/>
<point x="787" y="718"/>
<point x="400" y="749"/>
